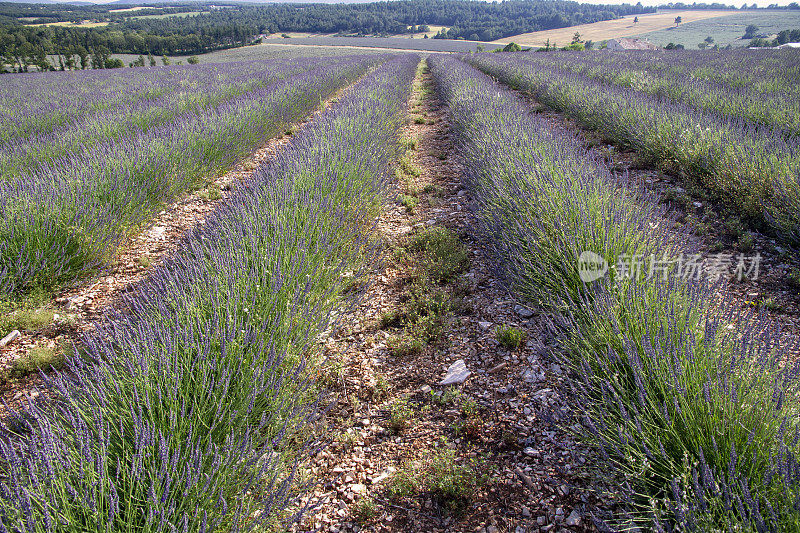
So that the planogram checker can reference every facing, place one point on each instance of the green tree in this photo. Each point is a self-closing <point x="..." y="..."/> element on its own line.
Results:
<point x="193" y="60"/>
<point x="678" y="20"/>
<point x="576" y="38"/>
<point x="151" y="59"/>
<point x="635" y="20"/>
<point x="165" y="60"/>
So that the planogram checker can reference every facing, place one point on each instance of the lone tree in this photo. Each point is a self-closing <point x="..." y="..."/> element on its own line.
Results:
<point x="750" y="31"/>
<point x="635" y="20"/>
<point x="576" y="38"/>
<point x="678" y="20"/>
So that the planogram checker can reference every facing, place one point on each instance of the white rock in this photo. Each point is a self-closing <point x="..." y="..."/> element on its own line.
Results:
<point x="456" y="373"/>
<point x="11" y="337"/>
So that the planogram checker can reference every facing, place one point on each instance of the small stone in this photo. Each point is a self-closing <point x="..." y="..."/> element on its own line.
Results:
<point x="425" y="389"/>
<point x="499" y="367"/>
<point x="541" y="520"/>
<point x="524" y="312"/>
<point x="456" y="373"/>
<point x="530" y="451"/>
<point x="697" y="205"/>
<point x="526" y="512"/>
<point x="484" y="325"/>
<point x="11" y="337"/>
<point x="358" y="488"/>
<point x="574" y="518"/>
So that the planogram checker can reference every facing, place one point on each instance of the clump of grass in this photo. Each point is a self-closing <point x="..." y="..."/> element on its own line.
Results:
<point x="770" y="304"/>
<point x="510" y="337"/>
<point x="391" y="319"/>
<point x="443" y="255"/>
<point x="364" y="510"/>
<point x="450" y="480"/>
<point x="25" y="313"/>
<point x="419" y="120"/>
<point x="409" y="168"/>
<point x="409" y="202"/>
<point x="26" y="319"/>
<point x="746" y="241"/>
<point x="39" y="357"/>
<point x="400" y="415"/>
<point x="793" y="278"/>
<point x="734" y="227"/>
<point x="212" y="193"/>
<point x="144" y="261"/>
<point x="449" y="396"/>
<point x="409" y="143"/>
<point x="380" y="389"/>
<point x="347" y="439"/>
<point x="403" y="345"/>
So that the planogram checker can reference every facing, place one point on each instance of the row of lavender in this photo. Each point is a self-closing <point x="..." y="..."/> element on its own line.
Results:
<point x="680" y="396"/>
<point x="185" y="412"/>
<point x="69" y="215"/>
<point x="747" y="167"/>
<point x="187" y="92"/>
<point x="759" y="86"/>
<point x="42" y="102"/>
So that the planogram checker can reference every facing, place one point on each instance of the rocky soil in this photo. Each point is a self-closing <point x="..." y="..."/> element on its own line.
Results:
<point x="408" y="453"/>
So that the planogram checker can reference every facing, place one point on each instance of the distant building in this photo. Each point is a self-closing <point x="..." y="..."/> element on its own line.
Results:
<point x="626" y="43"/>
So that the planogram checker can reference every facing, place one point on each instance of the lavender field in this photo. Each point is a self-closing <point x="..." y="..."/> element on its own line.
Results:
<point x="430" y="214"/>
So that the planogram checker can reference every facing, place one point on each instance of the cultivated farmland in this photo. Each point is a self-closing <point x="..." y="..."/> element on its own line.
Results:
<point x="487" y="291"/>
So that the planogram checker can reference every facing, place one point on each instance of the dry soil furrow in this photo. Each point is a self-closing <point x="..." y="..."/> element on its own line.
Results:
<point x="410" y="454"/>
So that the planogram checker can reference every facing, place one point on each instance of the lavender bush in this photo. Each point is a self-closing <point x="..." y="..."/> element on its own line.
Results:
<point x="759" y="86"/>
<point x="68" y="215"/>
<point x="182" y="412"/>
<point x="752" y="168"/>
<point x="691" y="406"/>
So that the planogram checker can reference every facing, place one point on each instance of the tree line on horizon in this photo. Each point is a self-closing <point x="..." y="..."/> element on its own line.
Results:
<point x="229" y="26"/>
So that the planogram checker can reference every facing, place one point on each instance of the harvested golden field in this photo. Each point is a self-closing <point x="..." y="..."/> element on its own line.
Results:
<point x="611" y="29"/>
<point x="82" y="24"/>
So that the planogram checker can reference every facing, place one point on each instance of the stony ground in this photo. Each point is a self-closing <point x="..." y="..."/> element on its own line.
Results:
<point x="411" y="454"/>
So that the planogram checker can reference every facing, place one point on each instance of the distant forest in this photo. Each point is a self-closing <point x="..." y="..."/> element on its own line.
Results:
<point x="220" y="26"/>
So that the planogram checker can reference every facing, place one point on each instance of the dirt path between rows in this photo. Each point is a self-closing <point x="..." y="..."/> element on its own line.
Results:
<point x="409" y="454"/>
<point x="77" y="309"/>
